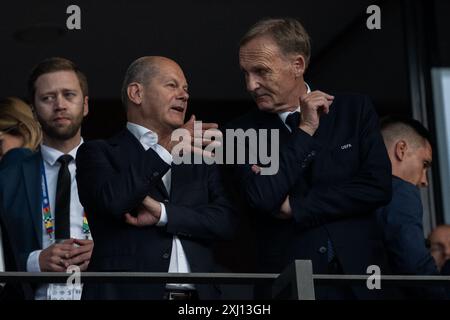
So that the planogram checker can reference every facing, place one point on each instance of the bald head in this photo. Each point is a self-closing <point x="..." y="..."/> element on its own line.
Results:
<point x="143" y="70"/>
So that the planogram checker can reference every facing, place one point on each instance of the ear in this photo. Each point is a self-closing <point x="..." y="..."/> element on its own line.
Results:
<point x="299" y="65"/>
<point x="135" y="93"/>
<point x="86" y="106"/>
<point x="400" y="149"/>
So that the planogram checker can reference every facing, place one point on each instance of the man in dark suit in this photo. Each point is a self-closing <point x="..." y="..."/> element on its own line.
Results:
<point x="333" y="167"/>
<point x="145" y="212"/>
<point x="39" y="204"/>
<point x="410" y="152"/>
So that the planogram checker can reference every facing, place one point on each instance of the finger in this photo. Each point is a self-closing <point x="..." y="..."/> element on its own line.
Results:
<point x="68" y="241"/>
<point x="78" y="259"/>
<point x="84" y="242"/>
<point x="256" y="169"/>
<point x="85" y="265"/>
<point x="209" y="125"/>
<point x="206" y="142"/>
<point x="130" y="219"/>
<point x="191" y="120"/>
<point x="210" y="133"/>
<point x="77" y="251"/>
<point x="57" y="268"/>
<point x="323" y="94"/>
<point x="58" y="261"/>
<point x="61" y="249"/>
<point x="202" y="152"/>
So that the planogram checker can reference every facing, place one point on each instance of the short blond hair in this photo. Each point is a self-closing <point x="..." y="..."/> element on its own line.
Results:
<point x="16" y="118"/>
<point x="288" y="33"/>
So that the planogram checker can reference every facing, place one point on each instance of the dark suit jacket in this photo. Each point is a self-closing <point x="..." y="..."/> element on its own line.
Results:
<point x="20" y="208"/>
<point x="401" y="221"/>
<point x="113" y="178"/>
<point x="335" y="179"/>
<point x="14" y="156"/>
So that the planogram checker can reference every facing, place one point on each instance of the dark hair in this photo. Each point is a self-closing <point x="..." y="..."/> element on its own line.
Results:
<point x="288" y="33"/>
<point x="414" y="124"/>
<point x="54" y="64"/>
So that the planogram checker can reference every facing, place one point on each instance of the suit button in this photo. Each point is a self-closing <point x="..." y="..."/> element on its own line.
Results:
<point x="166" y="200"/>
<point x="322" y="250"/>
<point x="155" y="174"/>
<point x="166" y="256"/>
<point x="313" y="153"/>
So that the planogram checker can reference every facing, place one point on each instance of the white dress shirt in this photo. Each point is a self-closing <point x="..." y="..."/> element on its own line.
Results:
<point x="178" y="260"/>
<point x="283" y="115"/>
<point x="51" y="166"/>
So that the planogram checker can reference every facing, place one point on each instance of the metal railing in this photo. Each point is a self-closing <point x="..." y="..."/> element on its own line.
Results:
<point x="296" y="282"/>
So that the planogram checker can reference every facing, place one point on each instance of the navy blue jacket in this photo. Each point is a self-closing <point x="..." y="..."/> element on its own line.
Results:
<point x="335" y="179"/>
<point x="401" y="221"/>
<point x="113" y="178"/>
<point x="20" y="208"/>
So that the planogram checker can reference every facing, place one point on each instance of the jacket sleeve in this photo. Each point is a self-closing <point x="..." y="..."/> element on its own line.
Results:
<point x="402" y="226"/>
<point x="104" y="187"/>
<point x="215" y="220"/>
<point x="404" y="235"/>
<point x="266" y="193"/>
<point x="369" y="189"/>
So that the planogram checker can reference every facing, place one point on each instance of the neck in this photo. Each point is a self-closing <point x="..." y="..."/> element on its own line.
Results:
<point x="161" y="131"/>
<point x="300" y="90"/>
<point x="65" y="146"/>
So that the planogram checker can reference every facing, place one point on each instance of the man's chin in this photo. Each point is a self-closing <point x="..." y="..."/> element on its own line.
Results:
<point x="266" y="106"/>
<point x="62" y="132"/>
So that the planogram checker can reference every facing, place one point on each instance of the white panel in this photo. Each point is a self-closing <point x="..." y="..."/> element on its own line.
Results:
<point x="441" y="97"/>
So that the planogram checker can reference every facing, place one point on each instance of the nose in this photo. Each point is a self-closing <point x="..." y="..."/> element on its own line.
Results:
<point x="183" y="95"/>
<point x="60" y="102"/>
<point x="252" y="83"/>
<point x="424" y="180"/>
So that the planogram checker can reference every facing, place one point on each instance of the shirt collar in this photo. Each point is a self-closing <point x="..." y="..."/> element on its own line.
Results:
<point x="283" y="115"/>
<point x="145" y="136"/>
<point x="51" y="155"/>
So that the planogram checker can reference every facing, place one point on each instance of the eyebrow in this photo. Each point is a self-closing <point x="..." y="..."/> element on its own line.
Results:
<point x="176" y="81"/>
<point x="57" y="90"/>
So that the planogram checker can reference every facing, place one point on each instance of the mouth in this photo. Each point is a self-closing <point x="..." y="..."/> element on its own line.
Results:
<point x="261" y="96"/>
<point x="61" y="120"/>
<point x="177" y="109"/>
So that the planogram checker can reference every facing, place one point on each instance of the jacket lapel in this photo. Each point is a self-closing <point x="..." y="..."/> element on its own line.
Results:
<point x="31" y="171"/>
<point x="131" y="150"/>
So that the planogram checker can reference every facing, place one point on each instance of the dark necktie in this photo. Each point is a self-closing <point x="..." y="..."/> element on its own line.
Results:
<point x="293" y="120"/>
<point x="62" y="199"/>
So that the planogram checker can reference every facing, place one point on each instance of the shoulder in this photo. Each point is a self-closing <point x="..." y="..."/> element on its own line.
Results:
<point x="102" y="144"/>
<point x="405" y="205"/>
<point x="351" y="102"/>
<point x="250" y="119"/>
<point x="405" y="193"/>
<point x="14" y="157"/>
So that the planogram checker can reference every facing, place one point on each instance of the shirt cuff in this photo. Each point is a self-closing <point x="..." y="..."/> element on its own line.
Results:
<point x="163" y="217"/>
<point x="33" y="261"/>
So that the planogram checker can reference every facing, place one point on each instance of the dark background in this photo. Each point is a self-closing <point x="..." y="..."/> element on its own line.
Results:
<point x="203" y="37"/>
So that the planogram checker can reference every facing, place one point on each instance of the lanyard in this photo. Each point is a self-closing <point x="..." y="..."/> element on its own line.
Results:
<point x="46" y="212"/>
